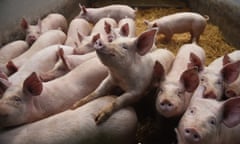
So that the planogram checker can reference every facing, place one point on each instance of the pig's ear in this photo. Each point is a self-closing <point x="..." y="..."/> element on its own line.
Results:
<point x="195" y="61"/>
<point x="231" y="112"/>
<point x="158" y="74"/>
<point x="125" y="30"/>
<point x="107" y="27"/>
<point x="190" y="79"/>
<point x="12" y="68"/>
<point x="32" y="85"/>
<point x="63" y="58"/>
<point x="39" y="24"/>
<point x="3" y="75"/>
<point x="154" y="25"/>
<point x="145" y="41"/>
<point x="95" y="38"/>
<point x="83" y="8"/>
<point x="230" y="72"/>
<point x="24" y="24"/>
<point x="226" y="59"/>
<point x="80" y="37"/>
<point x="4" y="84"/>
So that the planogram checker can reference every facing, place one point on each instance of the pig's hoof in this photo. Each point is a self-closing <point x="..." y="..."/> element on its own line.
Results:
<point x="77" y="104"/>
<point x="101" y="117"/>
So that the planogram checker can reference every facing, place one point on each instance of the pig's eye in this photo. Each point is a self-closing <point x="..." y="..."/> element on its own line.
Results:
<point x="212" y="121"/>
<point x="16" y="98"/>
<point x="192" y="110"/>
<point x="180" y="93"/>
<point x="125" y="46"/>
<point x="202" y="79"/>
<point x="160" y="91"/>
<point x="219" y="82"/>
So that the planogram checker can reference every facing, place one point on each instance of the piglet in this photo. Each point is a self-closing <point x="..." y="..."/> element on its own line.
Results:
<point x="130" y="67"/>
<point x="208" y="121"/>
<point x="76" y="27"/>
<point x="176" y="89"/>
<point x="47" y="39"/>
<point x="220" y="75"/>
<point x="32" y="100"/>
<point x="12" y="50"/>
<point x="115" y="11"/>
<point x="65" y="64"/>
<point x="78" y="126"/>
<point x="43" y="61"/>
<point x="103" y="28"/>
<point x="181" y="22"/>
<point x="50" y="22"/>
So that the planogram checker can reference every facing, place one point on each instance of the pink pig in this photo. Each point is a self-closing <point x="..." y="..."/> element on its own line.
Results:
<point x="176" y="89"/>
<point x="221" y="74"/>
<point x="65" y="64"/>
<point x="76" y="27"/>
<point x="182" y="22"/>
<point x="131" y="68"/>
<point x="49" y="38"/>
<point x="12" y="50"/>
<point x="77" y="127"/>
<point x="116" y="12"/>
<point x="207" y="121"/>
<point x="32" y="100"/>
<point x="103" y="28"/>
<point x="50" y="22"/>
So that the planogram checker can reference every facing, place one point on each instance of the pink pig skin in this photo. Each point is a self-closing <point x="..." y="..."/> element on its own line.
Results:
<point x="12" y="50"/>
<point x="182" y="22"/>
<point x="65" y="64"/>
<point x="104" y="29"/>
<point x="76" y="26"/>
<point x="208" y="121"/>
<point x="78" y="126"/>
<point x="130" y="67"/>
<point x="42" y="61"/>
<point x="50" y="22"/>
<point x="116" y="12"/>
<point x="33" y="100"/>
<point x="47" y="39"/>
<point x="178" y="85"/>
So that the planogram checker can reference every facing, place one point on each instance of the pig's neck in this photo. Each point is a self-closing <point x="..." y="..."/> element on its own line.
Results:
<point x="134" y="76"/>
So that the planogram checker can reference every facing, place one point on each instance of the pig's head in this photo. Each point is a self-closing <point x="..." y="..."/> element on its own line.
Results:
<point x="150" y="24"/>
<point x="16" y="105"/>
<point x="60" y="68"/>
<point x="230" y="74"/>
<point x="32" y="31"/>
<point x="87" y="43"/>
<point x="125" y="52"/>
<point x="205" y="119"/>
<point x="174" y="96"/>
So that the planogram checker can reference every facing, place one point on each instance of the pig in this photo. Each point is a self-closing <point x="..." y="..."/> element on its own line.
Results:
<point x="103" y="28"/>
<point x="65" y="64"/>
<point x="49" y="38"/>
<point x="219" y="75"/>
<point x="12" y="50"/>
<point x="126" y="27"/>
<point x="78" y="126"/>
<point x="41" y="62"/>
<point x="176" y="89"/>
<point x="116" y="11"/>
<point x="77" y="26"/>
<point x="181" y="22"/>
<point x="208" y="121"/>
<point x="33" y="100"/>
<point x="130" y="67"/>
<point x="50" y="22"/>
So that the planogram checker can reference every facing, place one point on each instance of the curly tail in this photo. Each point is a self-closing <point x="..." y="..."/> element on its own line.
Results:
<point x="206" y="17"/>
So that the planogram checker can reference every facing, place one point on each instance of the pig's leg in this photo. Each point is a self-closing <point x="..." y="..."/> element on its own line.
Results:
<point x="106" y="85"/>
<point x="125" y="99"/>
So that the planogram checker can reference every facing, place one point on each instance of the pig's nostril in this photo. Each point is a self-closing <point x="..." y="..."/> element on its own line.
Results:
<point x="187" y="131"/>
<point x="196" y="137"/>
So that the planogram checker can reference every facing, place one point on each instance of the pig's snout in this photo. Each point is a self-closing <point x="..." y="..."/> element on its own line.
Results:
<point x="167" y="106"/>
<point x="98" y="45"/>
<point x="210" y="94"/>
<point x="230" y="93"/>
<point x="31" y="39"/>
<point x="191" y="135"/>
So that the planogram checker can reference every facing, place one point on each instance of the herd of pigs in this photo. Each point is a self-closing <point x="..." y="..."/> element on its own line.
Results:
<point x="59" y="85"/>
